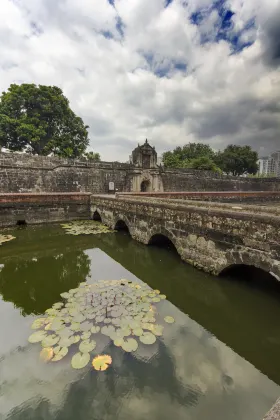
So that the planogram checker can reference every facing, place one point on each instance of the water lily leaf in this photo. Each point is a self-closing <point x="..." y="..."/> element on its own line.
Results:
<point x="157" y="292"/>
<point x="87" y="346"/>
<point x="38" y="323"/>
<point x="137" y="331"/>
<point x="6" y="238"/>
<point x="108" y="330"/>
<point x="80" y="360"/>
<point x="56" y="325"/>
<point x="56" y="349"/>
<point x="86" y="335"/>
<point x="46" y="354"/>
<point x="76" y="339"/>
<point x="51" y="312"/>
<point x="95" y="329"/>
<point x="65" y="295"/>
<point x="58" y="305"/>
<point x="37" y="336"/>
<point x="130" y="345"/>
<point x="86" y="326"/>
<point x="147" y="338"/>
<point x="66" y="341"/>
<point x="118" y="342"/>
<point x="156" y="299"/>
<point x="62" y="353"/>
<point x="125" y="332"/>
<point x="107" y="320"/>
<point x="102" y="362"/>
<point x="90" y="316"/>
<point x="75" y="326"/>
<point x="65" y="332"/>
<point x="50" y="340"/>
<point x="99" y="319"/>
<point x="169" y="319"/>
<point x="48" y="326"/>
<point x="156" y="329"/>
<point x="162" y="296"/>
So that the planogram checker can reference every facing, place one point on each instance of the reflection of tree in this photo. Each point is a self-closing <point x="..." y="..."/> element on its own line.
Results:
<point x="100" y="395"/>
<point x="34" y="286"/>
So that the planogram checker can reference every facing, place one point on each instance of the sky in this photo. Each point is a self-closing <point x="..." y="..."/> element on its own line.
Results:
<point x="172" y="71"/>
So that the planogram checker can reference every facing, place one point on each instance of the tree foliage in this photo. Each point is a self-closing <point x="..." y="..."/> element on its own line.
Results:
<point x="38" y="119"/>
<point x="237" y="160"/>
<point x="92" y="156"/>
<point x="181" y="157"/>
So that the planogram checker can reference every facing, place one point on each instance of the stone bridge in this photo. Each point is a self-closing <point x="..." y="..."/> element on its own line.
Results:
<point x="211" y="236"/>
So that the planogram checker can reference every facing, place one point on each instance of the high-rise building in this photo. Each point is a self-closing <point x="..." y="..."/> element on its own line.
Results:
<point x="270" y="165"/>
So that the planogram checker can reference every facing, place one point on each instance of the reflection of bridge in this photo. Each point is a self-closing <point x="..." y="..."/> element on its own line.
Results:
<point x="210" y="236"/>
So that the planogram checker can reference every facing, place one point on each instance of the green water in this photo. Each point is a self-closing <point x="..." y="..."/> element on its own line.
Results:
<point x="219" y="361"/>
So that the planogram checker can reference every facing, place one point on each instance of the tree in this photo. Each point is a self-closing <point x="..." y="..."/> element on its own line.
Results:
<point x="92" y="156"/>
<point x="38" y="119"/>
<point x="181" y="157"/>
<point x="237" y="160"/>
<point x="205" y="163"/>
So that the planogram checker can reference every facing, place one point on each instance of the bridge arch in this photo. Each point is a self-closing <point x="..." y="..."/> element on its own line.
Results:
<point x="161" y="235"/>
<point x="97" y="216"/>
<point x="248" y="272"/>
<point x="121" y="222"/>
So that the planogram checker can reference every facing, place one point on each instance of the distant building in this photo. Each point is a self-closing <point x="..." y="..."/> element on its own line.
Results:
<point x="270" y="165"/>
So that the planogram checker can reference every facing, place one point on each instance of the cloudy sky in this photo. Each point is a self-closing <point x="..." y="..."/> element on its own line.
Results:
<point x="173" y="71"/>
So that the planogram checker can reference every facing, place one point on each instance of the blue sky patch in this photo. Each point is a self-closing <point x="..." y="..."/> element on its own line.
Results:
<point x="120" y="26"/>
<point x="224" y="28"/>
<point x="168" y="2"/>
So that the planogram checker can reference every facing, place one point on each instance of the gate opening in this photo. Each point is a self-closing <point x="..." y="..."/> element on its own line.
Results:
<point x="21" y="223"/>
<point x="145" y="186"/>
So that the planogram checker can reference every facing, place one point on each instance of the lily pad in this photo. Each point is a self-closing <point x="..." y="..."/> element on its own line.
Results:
<point x="6" y="238"/>
<point x="102" y="362"/>
<point x="169" y="319"/>
<point x="37" y="336"/>
<point x="108" y="330"/>
<point x="76" y="339"/>
<point x="66" y="341"/>
<point x="95" y="329"/>
<point x="86" y="335"/>
<point x="130" y="345"/>
<point x="87" y="346"/>
<point x="147" y="338"/>
<point x="80" y="360"/>
<point x="62" y="353"/>
<point x="118" y="342"/>
<point x="75" y="326"/>
<point x="50" y="340"/>
<point x="38" y="323"/>
<point x="46" y="354"/>
<point x="65" y="295"/>
<point x="137" y="331"/>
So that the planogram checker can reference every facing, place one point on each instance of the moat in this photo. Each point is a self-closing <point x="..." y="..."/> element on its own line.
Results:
<point x="219" y="360"/>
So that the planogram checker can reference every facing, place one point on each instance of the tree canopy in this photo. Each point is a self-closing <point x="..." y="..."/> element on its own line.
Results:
<point x="235" y="160"/>
<point x="38" y="120"/>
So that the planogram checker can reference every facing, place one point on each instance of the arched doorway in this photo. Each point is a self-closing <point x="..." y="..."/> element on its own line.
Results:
<point x="145" y="186"/>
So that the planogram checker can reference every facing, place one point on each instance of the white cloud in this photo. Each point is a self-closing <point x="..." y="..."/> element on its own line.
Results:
<point x="113" y="81"/>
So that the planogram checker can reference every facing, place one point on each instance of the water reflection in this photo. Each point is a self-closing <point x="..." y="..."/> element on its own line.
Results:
<point x="34" y="285"/>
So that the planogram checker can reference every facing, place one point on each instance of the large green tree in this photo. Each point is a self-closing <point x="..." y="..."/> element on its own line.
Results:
<point x="182" y="157"/>
<point x="38" y="119"/>
<point x="237" y="160"/>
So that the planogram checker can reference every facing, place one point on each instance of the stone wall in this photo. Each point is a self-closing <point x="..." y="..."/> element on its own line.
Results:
<point x="43" y="208"/>
<point x="209" y="238"/>
<point x="193" y="180"/>
<point x="27" y="173"/>
<point x="211" y="196"/>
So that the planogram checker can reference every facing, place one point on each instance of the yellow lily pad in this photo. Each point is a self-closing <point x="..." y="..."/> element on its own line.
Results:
<point x="46" y="354"/>
<point x="102" y="362"/>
